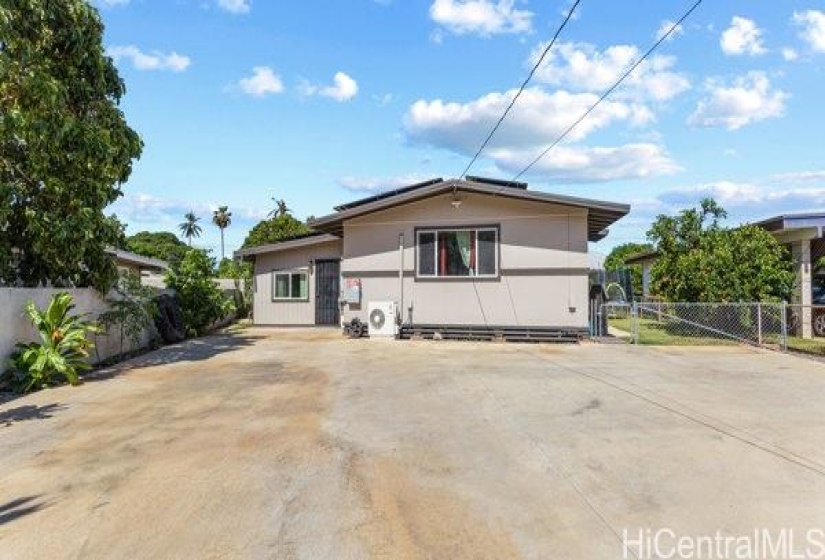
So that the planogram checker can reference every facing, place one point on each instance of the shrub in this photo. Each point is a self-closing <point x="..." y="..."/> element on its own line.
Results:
<point x="62" y="353"/>
<point x="201" y="300"/>
<point x="131" y="309"/>
<point x="241" y="273"/>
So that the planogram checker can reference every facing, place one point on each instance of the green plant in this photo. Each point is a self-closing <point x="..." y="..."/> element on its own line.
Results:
<point x="702" y="261"/>
<point x="201" y="300"/>
<point x="131" y="310"/>
<point x="241" y="273"/>
<point x="163" y="245"/>
<point x="222" y="218"/>
<point x="189" y="227"/>
<point x="276" y="229"/>
<point x="63" y="349"/>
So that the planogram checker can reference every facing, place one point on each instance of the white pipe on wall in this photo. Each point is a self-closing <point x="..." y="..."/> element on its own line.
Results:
<point x="401" y="274"/>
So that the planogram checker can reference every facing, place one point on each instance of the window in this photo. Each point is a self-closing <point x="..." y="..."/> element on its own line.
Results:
<point x="457" y="253"/>
<point x="290" y="285"/>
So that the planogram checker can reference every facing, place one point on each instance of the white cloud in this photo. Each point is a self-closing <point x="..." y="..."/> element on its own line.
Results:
<point x="813" y="28"/>
<point x="789" y="54"/>
<point x="235" y="6"/>
<point x="665" y="27"/>
<point x="343" y="88"/>
<point x="748" y="100"/>
<point x="747" y="197"/>
<point x="742" y="37"/>
<point x="482" y="17"/>
<point x="379" y="184"/>
<point x="582" y="67"/>
<point x="263" y="81"/>
<point x="535" y="120"/>
<point x="591" y="164"/>
<point x="150" y="61"/>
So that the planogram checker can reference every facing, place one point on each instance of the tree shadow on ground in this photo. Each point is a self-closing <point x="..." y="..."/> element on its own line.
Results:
<point x="193" y="350"/>
<point x="18" y="508"/>
<point x="28" y="412"/>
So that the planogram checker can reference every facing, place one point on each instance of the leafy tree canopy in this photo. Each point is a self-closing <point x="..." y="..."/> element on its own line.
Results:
<point x="700" y="260"/>
<point x="617" y="258"/>
<point x="65" y="146"/>
<point x="276" y="229"/>
<point x="157" y="245"/>
<point x="202" y="302"/>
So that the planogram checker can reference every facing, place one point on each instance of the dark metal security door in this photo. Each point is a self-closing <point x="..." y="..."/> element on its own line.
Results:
<point x="327" y="292"/>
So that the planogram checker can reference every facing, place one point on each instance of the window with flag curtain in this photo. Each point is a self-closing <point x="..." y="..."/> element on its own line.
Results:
<point x="457" y="253"/>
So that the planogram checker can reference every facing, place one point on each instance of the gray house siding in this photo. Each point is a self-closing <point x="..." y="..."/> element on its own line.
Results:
<point x="266" y="311"/>
<point x="542" y="258"/>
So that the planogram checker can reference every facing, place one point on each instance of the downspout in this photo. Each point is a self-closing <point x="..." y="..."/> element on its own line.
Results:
<point x="401" y="274"/>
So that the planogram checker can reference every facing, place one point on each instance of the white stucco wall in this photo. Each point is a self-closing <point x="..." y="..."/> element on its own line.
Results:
<point x="15" y="326"/>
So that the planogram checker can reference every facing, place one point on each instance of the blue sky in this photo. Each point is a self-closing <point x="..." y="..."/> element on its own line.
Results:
<point x="321" y="102"/>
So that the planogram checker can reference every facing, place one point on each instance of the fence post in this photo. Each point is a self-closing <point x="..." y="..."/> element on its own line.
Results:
<point x="759" y="322"/>
<point x="784" y="323"/>
<point x="634" y="323"/>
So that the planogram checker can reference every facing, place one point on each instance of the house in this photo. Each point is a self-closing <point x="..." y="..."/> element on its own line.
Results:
<point x="453" y="255"/>
<point x="137" y="264"/>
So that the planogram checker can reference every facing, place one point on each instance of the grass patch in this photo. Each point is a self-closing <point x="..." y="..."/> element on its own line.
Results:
<point x="653" y="333"/>
<point x="807" y="345"/>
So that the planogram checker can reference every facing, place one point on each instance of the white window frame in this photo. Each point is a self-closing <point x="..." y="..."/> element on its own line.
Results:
<point x="289" y="272"/>
<point x="473" y="273"/>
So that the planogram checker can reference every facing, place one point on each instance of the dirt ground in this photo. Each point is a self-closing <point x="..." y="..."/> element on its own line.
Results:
<point x="302" y="444"/>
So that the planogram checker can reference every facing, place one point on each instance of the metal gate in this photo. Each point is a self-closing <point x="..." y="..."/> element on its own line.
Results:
<point x="327" y="292"/>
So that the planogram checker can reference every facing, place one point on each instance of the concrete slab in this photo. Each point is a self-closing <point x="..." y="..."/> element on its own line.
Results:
<point x="302" y="444"/>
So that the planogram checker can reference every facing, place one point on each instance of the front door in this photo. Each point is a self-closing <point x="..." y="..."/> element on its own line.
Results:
<point x="327" y="292"/>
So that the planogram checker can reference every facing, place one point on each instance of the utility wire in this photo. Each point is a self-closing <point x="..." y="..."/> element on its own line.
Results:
<point x="610" y="90"/>
<point x="552" y="42"/>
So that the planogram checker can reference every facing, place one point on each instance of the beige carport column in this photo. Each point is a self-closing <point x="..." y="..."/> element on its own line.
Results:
<point x="803" y="293"/>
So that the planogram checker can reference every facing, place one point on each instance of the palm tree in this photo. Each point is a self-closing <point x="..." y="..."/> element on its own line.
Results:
<point x="190" y="228"/>
<point x="281" y="209"/>
<point x="223" y="219"/>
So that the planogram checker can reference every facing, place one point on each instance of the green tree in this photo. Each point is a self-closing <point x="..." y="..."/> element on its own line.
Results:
<point x="700" y="260"/>
<point x="201" y="300"/>
<point x="189" y="227"/>
<point x="65" y="146"/>
<point x="275" y="229"/>
<point x="222" y="218"/>
<point x="162" y="245"/>
<point x="617" y="258"/>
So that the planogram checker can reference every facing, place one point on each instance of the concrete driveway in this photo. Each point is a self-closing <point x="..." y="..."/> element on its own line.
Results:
<point x="301" y="444"/>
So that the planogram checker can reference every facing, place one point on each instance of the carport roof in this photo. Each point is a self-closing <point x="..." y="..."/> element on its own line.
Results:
<point x="600" y="215"/>
<point x="798" y="220"/>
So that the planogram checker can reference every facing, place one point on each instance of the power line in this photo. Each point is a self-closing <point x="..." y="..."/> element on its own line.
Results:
<point x="564" y="23"/>
<point x="610" y="90"/>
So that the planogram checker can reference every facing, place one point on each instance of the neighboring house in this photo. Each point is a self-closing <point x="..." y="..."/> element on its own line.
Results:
<point x="452" y="254"/>
<point x="137" y="264"/>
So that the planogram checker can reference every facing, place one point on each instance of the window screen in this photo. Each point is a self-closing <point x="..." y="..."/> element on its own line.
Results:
<point x="487" y="252"/>
<point x="426" y="253"/>
<point x="290" y="285"/>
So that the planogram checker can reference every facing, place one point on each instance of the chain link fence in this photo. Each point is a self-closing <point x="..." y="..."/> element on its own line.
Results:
<point x="778" y="326"/>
